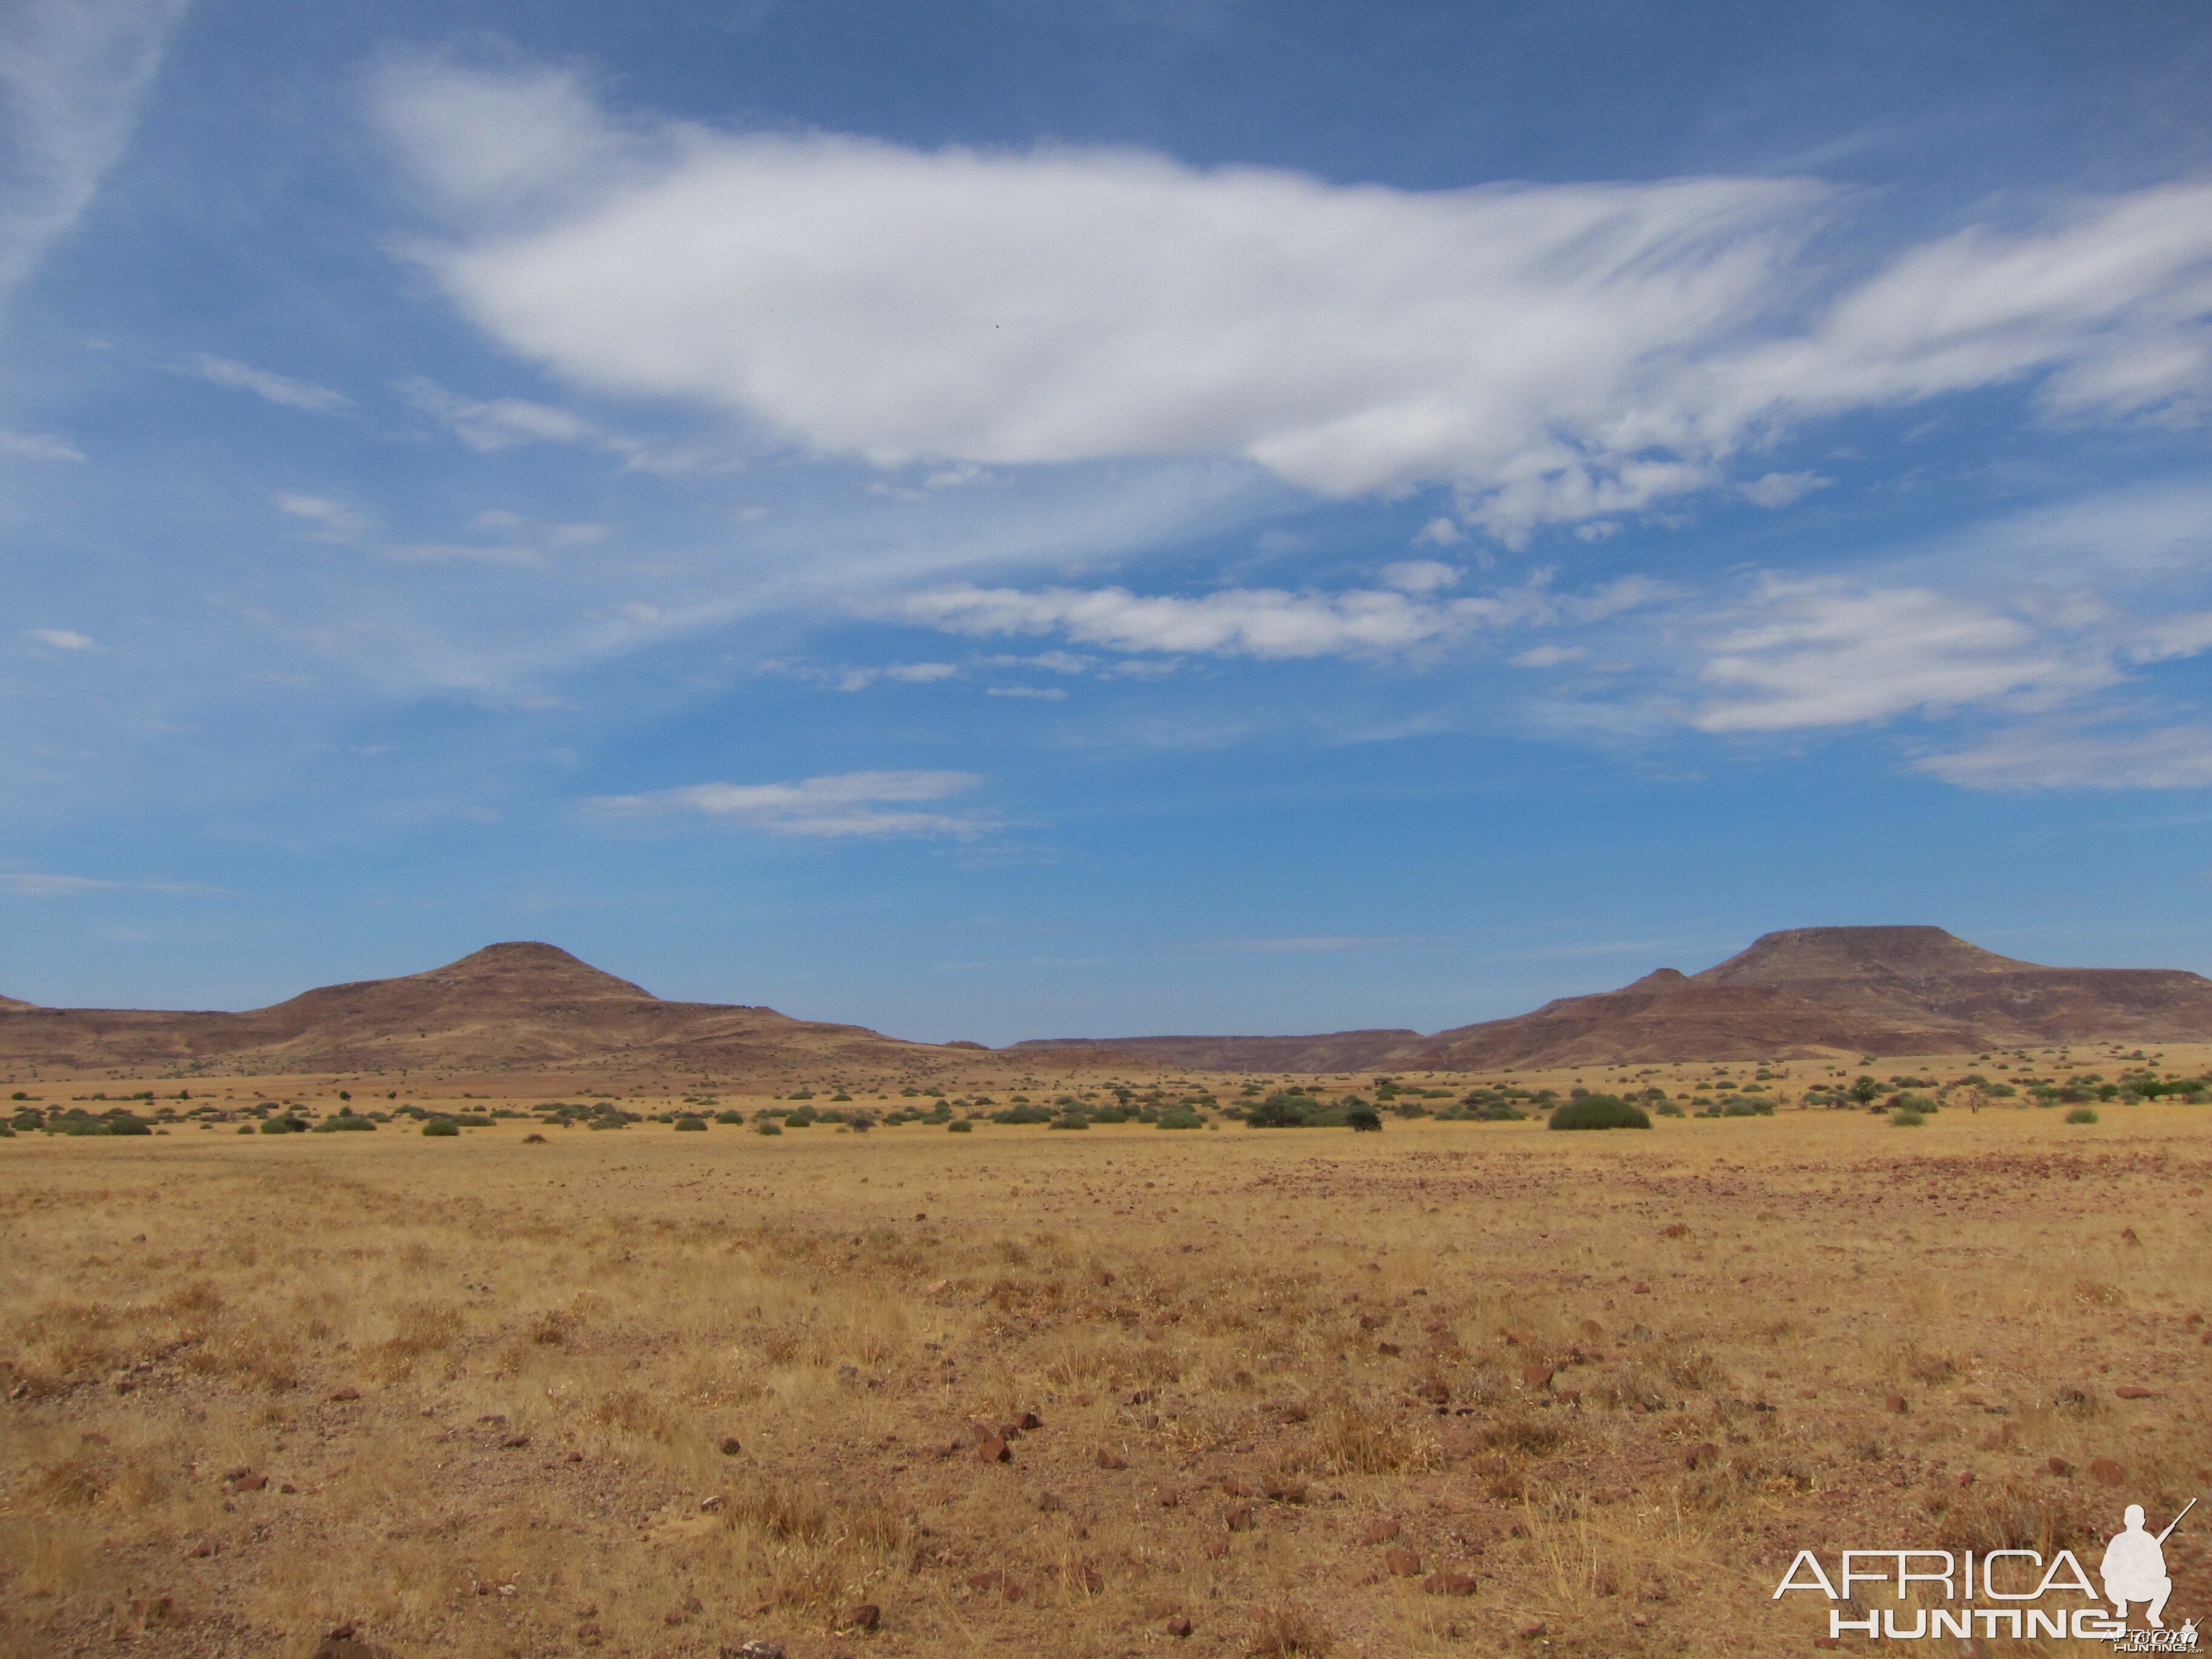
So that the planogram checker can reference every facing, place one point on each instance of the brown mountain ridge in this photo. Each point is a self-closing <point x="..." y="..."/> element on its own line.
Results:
<point x="1802" y="991"/>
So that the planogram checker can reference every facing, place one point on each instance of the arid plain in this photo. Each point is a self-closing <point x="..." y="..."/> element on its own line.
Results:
<point x="1454" y="1387"/>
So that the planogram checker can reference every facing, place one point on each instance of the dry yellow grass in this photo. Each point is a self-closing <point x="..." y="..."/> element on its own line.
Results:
<point x="1244" y="1350"/>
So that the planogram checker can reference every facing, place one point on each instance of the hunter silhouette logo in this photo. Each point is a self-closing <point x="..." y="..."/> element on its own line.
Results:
<point x="2002" y="1592"/>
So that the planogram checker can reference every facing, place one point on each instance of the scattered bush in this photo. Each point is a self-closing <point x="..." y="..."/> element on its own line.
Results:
<point x="960" y="1126"/>
<point x="1181" y="1118"/>
<point x="1908" y="1117"/>
<point x="695" y="1124"/>
<point x="1600" y="1112"/>
<point x="767" y="1126"/>
<point x="1364" y="1119"/>
<point x="2081" y="1115"/>
<point x="344" y="1121"/>
<point x="729" y="1117"/>
<point x="438" y="1125"/>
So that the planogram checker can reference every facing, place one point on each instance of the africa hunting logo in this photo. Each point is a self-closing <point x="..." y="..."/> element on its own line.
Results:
<point x="2133" y="1572"/>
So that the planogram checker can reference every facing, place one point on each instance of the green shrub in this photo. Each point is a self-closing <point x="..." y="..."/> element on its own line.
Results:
<point x="1181" y="1118"/>
<point x="282" y="1125"/>
<point x="697" y="1124"/>
<point x="960" y="1126"/>
<point x="1743" y="1108"/>
<point x="345" y="1122"/>
<point x="729" y="1117"/>
<point x="440" y="1125"/>
<point x="1280" y="1112"/>
<point x="1069" y="1121"/>
<point x="1665" y="1109"/>
<point x="1600" y="1112"/>
<point x="1364" y="1119"/>
<point x="767" y="1126"/>
<point x="2081" y="1115"/>
<point x="1110" y="1115"/>
<point x="1907" y="1117"/>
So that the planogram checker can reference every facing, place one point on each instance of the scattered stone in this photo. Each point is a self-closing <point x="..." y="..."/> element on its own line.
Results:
<point x="1966" y="1477"/>
<point x="1029" y="1420"/>
<point x="1283" y="1490"/>
<point x="1535" y="1377"/>
<point x="1235" y="1486"/>
<point x="732" y="1446"/>
<point x="1449" y="1583"/>
<point x="2128" y="1237"/>
<point x="713" y="1505"/>
<point x="203" y="1550"/>
<point x="514" y="1443"/>
<point x="346" y="1643"/>
<point x="1049" y="1503"/>
<point x="1111" y="1459"/>
<point x="493" y="1419"/>
<point x="1215" y="1550"/>
<point x="753" y="1650"/>
<point x="2058" y="1466"/>
<point x="1529" y="1632"/>
<point x="1141" y="1397"/>
<point x="1402" y="1563"/>
<point x="288" y="1490"/>
<point x="347" y="1392"/>
<point x="245" y="1481"/>
<point x="1701" y="1456"/>
<point x="151" y="1610"/>
<point x="2107" y="1472"/>
<point x="1087" y="1578"/>
<point x="867" y="1616"/>
<point x="1179" y="1627"/>
<point x="1388" y="1349"/>
<point x="1898" y="1403"/>
<point x="1380" y="1531"/>
<point x="1240" y="1518"/>
<point x="994" y="1450"/>
<point x="2130" y="1391"/>
<point x="1435" y="1391"/>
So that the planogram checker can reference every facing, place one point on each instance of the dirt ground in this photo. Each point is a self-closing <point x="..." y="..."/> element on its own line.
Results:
<point x="1465" y="1388"/>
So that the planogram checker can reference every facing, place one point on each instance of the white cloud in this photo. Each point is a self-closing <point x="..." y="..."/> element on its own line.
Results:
<point x="61" y="639"/>
<point x="276" y="388"/>
<point x="50" y="886"/>
<point x="1817" y="653"/>
<point x="336" y="522"/>
<point x="1548" y="656"/>
<point x="39" y="446"/>
<point x="1044" y="693"/>
<point x="73" y="74"/>
<point x="1419" y="575"/>
<point x="920" y="673"/>
<point x="494" y="425"/>
<point x="845" y="804"/>
<point x="1264" y="622"/>
<point x="1438" y="532"/>
<point x="1551" y="352"/>
<point x="2174" y="636"/>
<point x="1780" y="488"/>
<point x="2029" y="758"/>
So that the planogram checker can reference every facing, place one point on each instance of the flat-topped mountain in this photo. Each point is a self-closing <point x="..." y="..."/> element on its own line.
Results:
<point x="1806" y="991"/>
<point x="1803" y="990"/>
<point x="504" y="1007"/>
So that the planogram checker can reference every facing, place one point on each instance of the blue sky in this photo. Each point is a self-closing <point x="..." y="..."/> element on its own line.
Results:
<point x="998" y="520"/>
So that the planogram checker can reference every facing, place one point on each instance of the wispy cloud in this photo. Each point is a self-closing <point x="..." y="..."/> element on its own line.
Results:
<point x="2030" y="757"/>
<point x="39" y="446"/>
<point x="61" y="639"/>
<point x="73" y="74"/>
<point x="263" y="383"/>
<point x="868" y="804"/>
<point x="491" y="425"/>
<point x="45" y="884"/>
<point x="1551" y="353"/>
<point x="1264" y="622"/>
<point x="1317" y="943"/>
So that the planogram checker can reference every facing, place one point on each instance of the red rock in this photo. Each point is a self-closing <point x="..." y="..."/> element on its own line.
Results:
<point x="867" y="1616"/>
<point x="2107" y="1472"/>
<point x="1529" y="1632"/>
<point x="1434" y="1391"/>
<point x="1372" y="1322"/>
<point x="1449" y="1584"/>
<point x="1381" y="1532"/>
<point x="348" y="1393"/>
<point x="994" y="1450"/>
<point x="1591" y="1328"/>
<point x="1898" y="1403"/>
<point x="1402" y="1563"/>
<point x="1388" y="1349"/>
<point x="1240" y="1518"/>
<point x="1520" y="1338"/>
<point x="2130" y="1391"/>
<point x="249" y="1482"/>
<point x="1966" y="1477"/>
<point x="1029" y="1420"/>
<point x="1535" y="1377"/>
<point x="1111" y="1459"/>
<point x="2058" y="1466"/>
<point x="1237" y="1486"/>
<point x="1216" y="1550"/>
<point x="713" y="1505"/>
<point x="732" y="1446"/>
<point x="1179" y="1627"/>
<point x="515" y="1442"/>
<point x="1701" y="1455"/>
<point x="1284" y="1490"/>
<point x="2128" y="1236"/>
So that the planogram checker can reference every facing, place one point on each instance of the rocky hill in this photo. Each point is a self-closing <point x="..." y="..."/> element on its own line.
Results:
<point x="505" y="1006"/>
<point x="1809" y="990"/>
